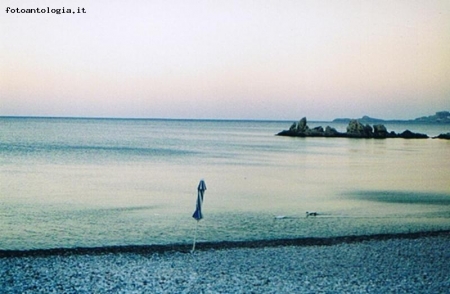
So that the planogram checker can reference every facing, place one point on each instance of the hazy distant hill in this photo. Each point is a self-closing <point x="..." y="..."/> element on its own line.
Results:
<point x="365" y="119"/>
<point x="441" y="117"/>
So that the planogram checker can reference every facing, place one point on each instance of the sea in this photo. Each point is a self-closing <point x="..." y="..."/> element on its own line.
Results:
<point x="83" y="182"/>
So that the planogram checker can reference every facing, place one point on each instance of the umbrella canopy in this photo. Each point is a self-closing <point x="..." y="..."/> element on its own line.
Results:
<point x="200" y="192"/>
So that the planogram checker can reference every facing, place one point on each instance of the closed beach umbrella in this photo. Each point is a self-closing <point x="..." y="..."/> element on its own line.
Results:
<point x="198" y="215"/>
<point x="200" y="192"/>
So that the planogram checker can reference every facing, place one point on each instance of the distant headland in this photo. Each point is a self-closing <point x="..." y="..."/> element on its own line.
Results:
<point x="441" y="117"/>
<point x="359" y="128"/>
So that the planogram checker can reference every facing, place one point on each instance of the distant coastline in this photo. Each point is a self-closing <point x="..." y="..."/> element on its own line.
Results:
<point x="441" y="117"/>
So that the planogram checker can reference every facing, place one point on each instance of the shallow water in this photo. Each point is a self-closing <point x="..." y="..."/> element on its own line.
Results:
<point x="101" y="182"/>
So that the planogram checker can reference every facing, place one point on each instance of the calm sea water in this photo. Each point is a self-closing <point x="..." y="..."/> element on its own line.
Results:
<point x="103" y="182"/>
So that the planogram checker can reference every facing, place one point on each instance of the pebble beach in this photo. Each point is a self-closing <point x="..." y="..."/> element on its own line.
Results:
<point x="388" y="265"/>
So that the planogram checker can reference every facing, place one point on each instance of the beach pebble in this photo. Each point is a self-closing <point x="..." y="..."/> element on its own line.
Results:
<point x="390" y="266"/>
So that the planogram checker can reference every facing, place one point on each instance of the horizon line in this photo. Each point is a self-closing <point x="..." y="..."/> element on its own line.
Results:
<point x="209" y="119"/>
<point x="149" y="118"/>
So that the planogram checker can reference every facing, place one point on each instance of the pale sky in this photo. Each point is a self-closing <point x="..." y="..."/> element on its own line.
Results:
<point x="281" y="59"/>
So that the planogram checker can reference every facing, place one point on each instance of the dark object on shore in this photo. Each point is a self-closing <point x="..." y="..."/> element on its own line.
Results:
<point x="355" y="129"/>
<point x="443" y="136"/>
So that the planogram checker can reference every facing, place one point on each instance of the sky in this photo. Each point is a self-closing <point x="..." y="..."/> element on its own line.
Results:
<point x="246" y="59"/>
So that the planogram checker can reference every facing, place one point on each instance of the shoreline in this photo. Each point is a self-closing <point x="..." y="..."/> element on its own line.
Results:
<point x="220" y="245"/>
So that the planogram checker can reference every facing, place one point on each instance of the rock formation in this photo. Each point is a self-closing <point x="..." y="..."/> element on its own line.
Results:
<point x="331" y="132"/>
<point x="380" y="131"/>
<point x="443" y="136"/>
<point x="301" y="129"/>
<point x="355" y="129"/>
<point x="410" y="135"/>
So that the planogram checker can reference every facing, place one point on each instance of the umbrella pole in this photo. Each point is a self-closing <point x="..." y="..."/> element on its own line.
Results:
<point x="195" y="237"/>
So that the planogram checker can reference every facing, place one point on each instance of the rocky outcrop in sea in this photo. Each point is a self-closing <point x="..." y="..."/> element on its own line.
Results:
<point x="443" y="136"/>
<point x="355" y="129"/>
